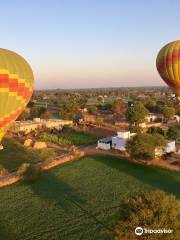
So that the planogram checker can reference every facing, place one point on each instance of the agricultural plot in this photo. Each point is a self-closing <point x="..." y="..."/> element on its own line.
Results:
<point x="14" y="154"/>
<point x="71" y="138"/>
<point x="78" y="200"/>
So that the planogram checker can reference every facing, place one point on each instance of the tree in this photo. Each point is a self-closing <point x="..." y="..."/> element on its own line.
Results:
<point x="46" y="115"/>
<point x="150" y="104"/>
<point x="100" y="99"/>
<point x="153" y="130"/>
<point x="151" y="210"/>
<point x="159" y="140"/>
<point x="92" y="109"/>
<point x="100" y="121"/>
<point x="69" y="109"/>
<point x="24" y="116"/>
<point x="173" y="132"/>
<point x="168" y="112"/>
<point x="119" y="107"/>
<point x="142" y="146"/>
<point x="28" y="172"/>
<point x="136" y="113"/>
<point x="37" y="111"/>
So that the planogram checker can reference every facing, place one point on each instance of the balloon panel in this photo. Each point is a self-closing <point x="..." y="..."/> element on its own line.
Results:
<point x="16" y="87"/>
<point x="168" y="65"/>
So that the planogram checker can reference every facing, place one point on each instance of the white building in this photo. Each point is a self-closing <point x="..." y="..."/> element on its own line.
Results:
<point x="152" y="117"/>
<point x="55" y="123"/>
<point x="105" y="143"/>
<point x="26" y="127"/>
<point x="171" y="147"/>
<point x="119" y="141"/>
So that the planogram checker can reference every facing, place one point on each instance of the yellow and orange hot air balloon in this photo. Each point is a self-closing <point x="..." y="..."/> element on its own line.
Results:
<point x="16" y="87"/>
<point x="168" y="65"/>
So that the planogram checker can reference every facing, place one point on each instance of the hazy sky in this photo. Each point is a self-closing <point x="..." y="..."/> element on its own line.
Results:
<point x="90" y="43"/>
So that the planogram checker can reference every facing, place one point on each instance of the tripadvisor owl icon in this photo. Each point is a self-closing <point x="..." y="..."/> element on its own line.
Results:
<point x="139" y="231"/>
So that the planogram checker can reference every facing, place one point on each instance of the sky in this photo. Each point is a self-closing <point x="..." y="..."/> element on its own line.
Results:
<point x="90" y="43"/>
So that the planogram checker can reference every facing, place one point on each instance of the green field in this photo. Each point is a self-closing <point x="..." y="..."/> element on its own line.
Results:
<point x="78" y="200"/>
<point x="14" y="154"/>
<point x="69" y="138"/>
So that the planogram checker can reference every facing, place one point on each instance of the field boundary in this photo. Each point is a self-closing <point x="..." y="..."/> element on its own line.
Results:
<point x="90" y="150"/>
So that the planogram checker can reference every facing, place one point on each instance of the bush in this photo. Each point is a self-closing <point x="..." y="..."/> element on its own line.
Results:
<point x="151" y="210"/>
<point x="47" y="154"/>
<point x="3" y="171"/>
<point x="28" y="172"/>
<point x="100" y="121"/>
<point x="173" y="132"/>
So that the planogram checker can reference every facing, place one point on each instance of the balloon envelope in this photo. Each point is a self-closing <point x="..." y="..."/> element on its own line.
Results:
<point x="168" y="65"/>
<point x="16" y="87"/>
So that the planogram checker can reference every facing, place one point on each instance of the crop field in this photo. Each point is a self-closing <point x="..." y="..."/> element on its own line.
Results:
<point x="78" y="200"/>
<point x="71" y="138"/>
<point x="14" y="154"/>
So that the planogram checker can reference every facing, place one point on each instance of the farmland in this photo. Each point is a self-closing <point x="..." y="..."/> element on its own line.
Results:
<point x="70" y="138"/>
<point x="14" y="154"/>
<point x="78" y="200"/>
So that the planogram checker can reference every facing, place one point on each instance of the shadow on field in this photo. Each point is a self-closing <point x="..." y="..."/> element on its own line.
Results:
<point x="51" y="188"/>
<point x="162" y="179"/>
<point x="5" y="234"/>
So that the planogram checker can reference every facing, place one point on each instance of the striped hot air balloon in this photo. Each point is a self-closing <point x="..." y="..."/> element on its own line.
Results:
<point x="16" y="87"/>
<point x="168" y="65"/>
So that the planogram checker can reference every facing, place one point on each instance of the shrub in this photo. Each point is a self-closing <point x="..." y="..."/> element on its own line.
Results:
<point x="3" y="171"/>
<point x="28" y="172"/>
<point x="100" y="121"/>
<point x="47" y="154"/>
<point x="153" y="210"/>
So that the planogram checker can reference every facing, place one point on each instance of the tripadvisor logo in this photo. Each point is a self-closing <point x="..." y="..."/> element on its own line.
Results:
<point x="139" y="231"/>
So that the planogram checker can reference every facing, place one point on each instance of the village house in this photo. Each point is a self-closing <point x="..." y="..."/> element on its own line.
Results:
<point x="56" y="123"/>
<point x="116" y="142"/>
<point x="154" y="117"/>
<point x="170" y="148"/>
<point x="27" y="127"/>
<point x="119" y="142"/>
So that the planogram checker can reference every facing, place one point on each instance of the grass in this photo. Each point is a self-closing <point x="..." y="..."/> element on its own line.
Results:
<point x="61" y="203"/>
<point x="14" y="154"/>
<point x="80" y="138"/>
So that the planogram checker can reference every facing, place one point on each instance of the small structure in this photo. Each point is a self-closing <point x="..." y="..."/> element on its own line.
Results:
<point x="56" y="123"/>
<point x="175" y="119"/>
<point x="40" y="145"/>
<point x="119" y="142"/>
<point x="25" y="127"/>
<point x="153" y="117"/>
<point x="105" y="143"/>
<point x="170" y="148"/>
<point x="28" y="142"/>
<point x="178" y="146"/>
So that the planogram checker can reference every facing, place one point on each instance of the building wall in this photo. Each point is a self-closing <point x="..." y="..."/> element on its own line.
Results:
<point x="104" y="146"/>
<point x="119" y="143"/>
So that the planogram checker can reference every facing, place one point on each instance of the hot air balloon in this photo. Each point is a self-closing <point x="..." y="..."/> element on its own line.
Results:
<point x="16" y="88"/>
<point x="168" y="65"/>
